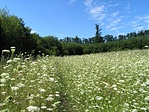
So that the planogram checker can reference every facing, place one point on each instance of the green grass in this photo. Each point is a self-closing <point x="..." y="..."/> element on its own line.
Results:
<point x="105" y="82"/>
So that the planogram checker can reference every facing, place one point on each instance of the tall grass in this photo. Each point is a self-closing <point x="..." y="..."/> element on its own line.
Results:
<point x="106" y="82"/>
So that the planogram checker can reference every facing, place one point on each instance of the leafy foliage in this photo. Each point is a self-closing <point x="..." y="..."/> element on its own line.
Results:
<point x="15" y="33"/>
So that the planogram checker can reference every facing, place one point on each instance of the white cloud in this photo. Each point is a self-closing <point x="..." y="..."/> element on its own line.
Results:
<point x="116" y="28"/>
<point x="97" y="12"/>
<point x="34" y="32"/>
<point x="114" y="23"/>
<point x="115" y="14"/>
<point x="140" y="23"/>
<point x="127" y="7"/>
<point x="113" y="18"/>
<point x="134" y="23"/>
<point x="113" y="29"/>
<point x="113" y="5"/>
<point x="88" y="3"/>
<point x="146" y="20"/>
<point x="139" y="28"/>
<point x="71" y="1"/>
<point x="121" y="33"/>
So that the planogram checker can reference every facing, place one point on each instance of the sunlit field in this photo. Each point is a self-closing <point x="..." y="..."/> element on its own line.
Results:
<point x="104" y="82"/>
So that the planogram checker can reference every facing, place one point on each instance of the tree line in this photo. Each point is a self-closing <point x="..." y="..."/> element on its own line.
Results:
<point x="14" y="32"/>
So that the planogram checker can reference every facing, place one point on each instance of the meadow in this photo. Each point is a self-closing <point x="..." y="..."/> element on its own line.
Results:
<point x="104" y="82"/>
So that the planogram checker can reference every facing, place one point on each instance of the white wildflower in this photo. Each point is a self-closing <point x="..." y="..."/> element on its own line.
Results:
<point x="98" y="97"/>
<point x="20" y="85"/>
<point x="57" y="95"/>
<point x="3" y="93"/>
<point x="14" y="88"/>
<point x="16" y="59"/>
<point x="86" y="110"/>
<point x="33" y="109"/>
<point x="3" y="80"/>
<point x="5" y="51"/>
<point x="142" y="90"/>
<point x="4" y="75"/>
<point x="126" y="104"/>
<point x="106" y="83"/>
<point x="2" y="85"/>
<point x="146" y="99"/>
<point x="143" y="109"/>
<point x="10" y="61"/>
<point x="114" y="86"/>
<point x="134" y="110"/>
<point x="146" y="46"/>
<point x="121" y="81"/>
<point x="147" y="83"/>
<point x="12" y="79"/>
<point x="49" y="109"/>
<point x="42" y="90"/>
<point x="2" y="104"/>
<point x="135" y="92"/>
<point x="13" y="49"/>
<point x="43" y="107"/>
<point x="115" y="89"/>
<point x="51" y="79"/>
<point x="49" y="99"/>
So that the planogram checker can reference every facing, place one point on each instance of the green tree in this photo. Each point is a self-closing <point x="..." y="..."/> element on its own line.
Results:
<point x="108" y="38"/>
<point x="77" y="39"/>
<point x="98" y="38"/>
<point x="15" y="33"/>
<point x="72" y="48"/>
<point x="52" y="44"/>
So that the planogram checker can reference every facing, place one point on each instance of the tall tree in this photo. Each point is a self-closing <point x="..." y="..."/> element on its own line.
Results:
<point x="108" y="38"/>
<point x="98" y="38"/>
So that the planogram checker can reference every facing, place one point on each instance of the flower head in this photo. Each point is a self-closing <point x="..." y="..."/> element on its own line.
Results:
<point x="33" y="109"/>
<point x="13" y="49"/>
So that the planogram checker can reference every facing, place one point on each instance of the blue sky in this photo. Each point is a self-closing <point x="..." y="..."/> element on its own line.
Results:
<point x="62" y="18"/>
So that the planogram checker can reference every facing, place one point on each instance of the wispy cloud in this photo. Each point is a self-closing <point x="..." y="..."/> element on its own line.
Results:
<point x="71" y="1"/>
<point x="113" y="5"/>
<point x="88" y="3"/>
<point x="114" y="22"/>
<point x="127" y="7"/>
<point x="121" y="33"/>
<point x="134" y="23"/>
<point x="138" y="28"/>
<point x="116" y="28"/>
<point x="115" y="14"/>
<point x="147" y="20"/>
<point x="113" y="29"/>
<point x="97" y="12"/>
<point x="116" y="17"/>
<point x="140" y="23"/>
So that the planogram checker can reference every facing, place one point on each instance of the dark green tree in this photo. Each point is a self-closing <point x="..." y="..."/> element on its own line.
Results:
<point x="52" y="45"/>
<point x="108" y="38"/>
<point x="77" y="39"/>
<point x="98" y="38"/>
<point x="14" y="33"/>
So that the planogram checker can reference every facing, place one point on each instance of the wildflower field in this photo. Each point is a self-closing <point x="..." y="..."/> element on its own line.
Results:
<point x="104" y="82"/>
